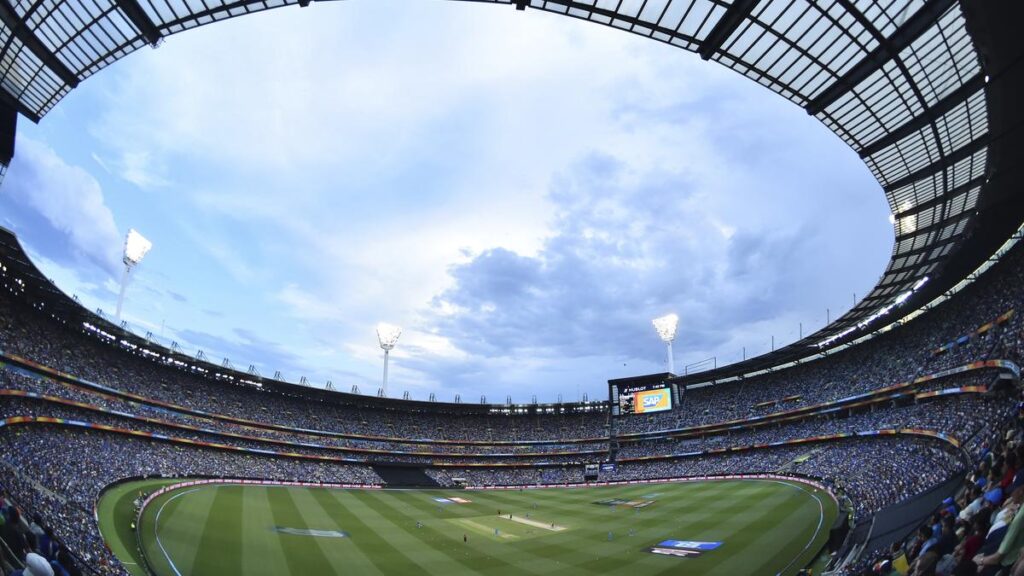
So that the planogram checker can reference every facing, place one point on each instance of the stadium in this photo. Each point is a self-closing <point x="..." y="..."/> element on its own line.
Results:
<point x="890" y="441"/>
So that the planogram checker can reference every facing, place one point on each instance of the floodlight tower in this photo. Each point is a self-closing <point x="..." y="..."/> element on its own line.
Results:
<point x="387" y="335"/>
<point x="666" y="327"/>
<point x="135" y="248"/>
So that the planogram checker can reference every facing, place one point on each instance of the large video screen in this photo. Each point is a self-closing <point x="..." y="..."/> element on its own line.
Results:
<point x="645" y="401"/>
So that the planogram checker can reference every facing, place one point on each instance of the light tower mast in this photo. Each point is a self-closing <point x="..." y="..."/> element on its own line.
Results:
<point x="387" y="335"/>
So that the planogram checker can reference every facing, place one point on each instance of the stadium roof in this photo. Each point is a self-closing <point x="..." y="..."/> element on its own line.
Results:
<point x="922" y="90"/>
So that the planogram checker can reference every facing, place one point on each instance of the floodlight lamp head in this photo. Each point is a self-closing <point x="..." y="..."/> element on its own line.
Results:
<point x="136" y="246"/>
<point x="666" y="327"/>
<point x="387" y="335"/>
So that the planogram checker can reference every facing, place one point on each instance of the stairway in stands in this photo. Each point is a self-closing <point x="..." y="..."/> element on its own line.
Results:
<point x="396" y="477"/>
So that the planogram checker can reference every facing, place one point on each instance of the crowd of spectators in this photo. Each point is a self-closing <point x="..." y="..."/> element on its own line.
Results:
<point x="17" y="379"/>
<point x="12" y="379"/>
<point x="23" y="536"/>
<point x="960" y="416"/>
<point x="978" y="532"/>
<point x="31" y="407"/>
<point x="26" y="332"/>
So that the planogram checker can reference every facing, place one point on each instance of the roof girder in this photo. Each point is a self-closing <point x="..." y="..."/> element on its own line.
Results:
<point x="929" y="116"/>
<point x="887" y="49"/>
<point x="20" y="30"/>
<point x="725" y="26"/>
<point x="945" y="161"/>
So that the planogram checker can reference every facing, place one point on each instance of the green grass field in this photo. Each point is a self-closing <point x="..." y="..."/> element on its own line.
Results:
<point x="767" y="527"/>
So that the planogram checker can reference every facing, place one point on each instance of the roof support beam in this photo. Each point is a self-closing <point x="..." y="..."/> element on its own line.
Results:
<point x="938" y="200"/>
<point x="22" y="32"/>
<point x="933" y="246"/>
<point x="917" y="264"/>
<point x="6" y="98"/>
<point x="936" y="226"/>
<point x="632" y="20"/>
<point x="930" y="115"/>
<point x="912" y="278"/>
<point x="137" y="16"/>
<point x="885" y="51"/>
<point x="725" y="26"/>
<point x="941" y="164"/>
<point x="197" y="18"/>
<point x="870" y="300"/>
<point x="8" y="129"/>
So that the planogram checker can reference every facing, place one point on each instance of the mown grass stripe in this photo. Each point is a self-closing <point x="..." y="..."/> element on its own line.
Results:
<point x="372" y="532"/>
<point x="220" y="547"/>
<point x="415" y="509"/>
<point x="449" y="553"/>
<point x="585" y="540"/>
<point x="808" y="515"/>
<point x="758" y="535"/>
<point x="322" y="513"/>
<point x="303" y="555"/>
<point x="262" y="552"/>
<point x="179" y="514"/>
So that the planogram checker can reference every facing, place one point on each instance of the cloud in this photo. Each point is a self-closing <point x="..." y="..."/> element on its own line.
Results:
<point x="139" y="168"/>
<point x="177" y="297"/>
<point x="627" y="246"/>
<point x="61" y="210"/>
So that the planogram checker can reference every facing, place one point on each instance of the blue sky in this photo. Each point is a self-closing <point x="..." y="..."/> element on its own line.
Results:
<point x="521" y="192"/>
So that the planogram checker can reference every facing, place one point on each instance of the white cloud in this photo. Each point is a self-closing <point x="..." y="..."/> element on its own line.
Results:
<point x="102" y="163"/>
<point x="68" y="199"/>
<point x="138" y="168"/>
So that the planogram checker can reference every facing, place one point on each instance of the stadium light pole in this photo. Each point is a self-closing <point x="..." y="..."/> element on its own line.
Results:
<point x="666" y="327"/>
<point x="136" y="246"/>
<point x="387" y="335"/>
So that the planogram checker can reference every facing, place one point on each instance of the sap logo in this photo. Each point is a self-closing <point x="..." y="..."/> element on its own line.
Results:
<point x="652" y="401"/>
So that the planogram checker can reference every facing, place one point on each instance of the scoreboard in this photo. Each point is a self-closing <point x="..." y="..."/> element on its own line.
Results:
<point x="645" y="401"/>
<point x="657" y="400"/>
<point x="642" y="398"/>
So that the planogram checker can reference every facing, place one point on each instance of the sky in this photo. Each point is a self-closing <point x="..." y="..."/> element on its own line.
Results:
<point x="520" y="191"/>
